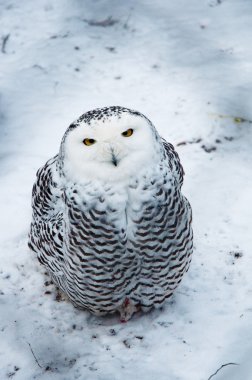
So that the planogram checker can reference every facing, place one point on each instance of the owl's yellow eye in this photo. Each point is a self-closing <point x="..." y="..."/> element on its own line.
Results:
<point x="89" y="142"/>
<point x="128" y="133"/>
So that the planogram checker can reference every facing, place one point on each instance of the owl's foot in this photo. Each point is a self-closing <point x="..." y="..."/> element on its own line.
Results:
<point x="61" y="296"/>
<point x="127" y="310"/>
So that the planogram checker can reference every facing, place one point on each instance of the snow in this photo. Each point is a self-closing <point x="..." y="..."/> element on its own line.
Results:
<point x="187" y="66"/>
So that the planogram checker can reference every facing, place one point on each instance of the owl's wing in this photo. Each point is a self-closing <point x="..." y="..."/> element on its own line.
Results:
<point x="46" y="233"/>
<point x="174" y="162"/>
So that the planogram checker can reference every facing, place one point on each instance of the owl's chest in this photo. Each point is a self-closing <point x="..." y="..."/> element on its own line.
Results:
<point x="113" y="237"/>
<point x="107" y="217"/>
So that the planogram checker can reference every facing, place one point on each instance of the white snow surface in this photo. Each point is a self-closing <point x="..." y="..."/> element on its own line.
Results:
<point x="187" y="65"/>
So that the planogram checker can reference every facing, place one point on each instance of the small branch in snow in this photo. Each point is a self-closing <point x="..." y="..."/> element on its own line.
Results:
<point x="4" y="42"/>
<point x="223" y="365"/>
<point x="126" y="23"/>
<point x="34" y="356"/>
<point x="109" y="21"/>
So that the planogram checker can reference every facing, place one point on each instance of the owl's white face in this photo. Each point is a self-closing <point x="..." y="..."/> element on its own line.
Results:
<point x="112" y="149"/>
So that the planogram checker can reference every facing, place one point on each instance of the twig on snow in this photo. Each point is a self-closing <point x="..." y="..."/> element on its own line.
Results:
<point x="126" y="23"/>
<point x="4" y="42"/>
<point x="109" y="21"/>
<point x="34" y="356"/>
<point x="223" y="365"/>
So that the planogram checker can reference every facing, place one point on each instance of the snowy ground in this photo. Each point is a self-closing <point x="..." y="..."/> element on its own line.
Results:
<point x="187" y="65"/>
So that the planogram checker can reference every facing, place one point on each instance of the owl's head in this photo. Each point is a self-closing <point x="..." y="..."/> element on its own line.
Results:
<point x="109" y="143"/>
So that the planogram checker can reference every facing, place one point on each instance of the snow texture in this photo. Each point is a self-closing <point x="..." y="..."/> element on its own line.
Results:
<point x="187" y="65"/>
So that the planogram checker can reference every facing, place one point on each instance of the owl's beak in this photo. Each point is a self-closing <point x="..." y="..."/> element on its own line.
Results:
<point x="111" y="154"/>
<point x="114" y="159"/>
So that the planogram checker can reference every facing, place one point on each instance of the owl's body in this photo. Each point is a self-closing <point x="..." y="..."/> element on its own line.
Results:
<point x="117" y="236"/>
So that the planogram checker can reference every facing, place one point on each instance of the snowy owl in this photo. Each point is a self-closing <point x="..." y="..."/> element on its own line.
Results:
<point x="109" y="221"/>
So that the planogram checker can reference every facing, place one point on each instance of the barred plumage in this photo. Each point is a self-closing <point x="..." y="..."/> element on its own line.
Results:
<point x="109" y="221"/>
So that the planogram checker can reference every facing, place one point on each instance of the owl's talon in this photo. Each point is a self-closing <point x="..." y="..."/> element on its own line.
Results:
<point x="127" y="310"/>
